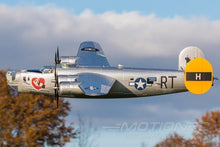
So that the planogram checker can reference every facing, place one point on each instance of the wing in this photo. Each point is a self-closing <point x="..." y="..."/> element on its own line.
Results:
<point x="95" y="84"/>
<point x="90" y="54"/>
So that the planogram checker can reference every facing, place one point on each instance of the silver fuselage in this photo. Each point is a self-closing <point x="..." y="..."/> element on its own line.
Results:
<point x="129" y="82"/>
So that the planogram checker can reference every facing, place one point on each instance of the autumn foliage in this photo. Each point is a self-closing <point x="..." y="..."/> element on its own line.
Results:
<point x="206" y="133"/>
<point x="207" y="130"/>
<point x="174" y="141"/>
<point x="31" y="120"/>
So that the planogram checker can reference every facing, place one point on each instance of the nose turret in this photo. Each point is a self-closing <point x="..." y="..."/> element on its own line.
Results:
<point x="13" y="79"/>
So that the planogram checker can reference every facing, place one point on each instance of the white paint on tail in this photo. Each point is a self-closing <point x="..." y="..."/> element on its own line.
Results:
<point x="187" y="54"/>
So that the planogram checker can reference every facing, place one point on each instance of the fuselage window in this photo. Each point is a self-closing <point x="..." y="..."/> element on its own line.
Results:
<point x="24" y="79"/>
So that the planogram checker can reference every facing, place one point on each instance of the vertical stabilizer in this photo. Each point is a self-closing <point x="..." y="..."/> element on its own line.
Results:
<point x="187" y="54"/>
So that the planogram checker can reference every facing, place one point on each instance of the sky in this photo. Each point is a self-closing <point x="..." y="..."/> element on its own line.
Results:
<point x="137" y="33"/>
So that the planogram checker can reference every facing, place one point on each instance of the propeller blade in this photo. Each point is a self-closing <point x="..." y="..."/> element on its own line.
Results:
<point x="55" y="58"/>
<point x="55" y="76"/>
<point x="56" y="90"/>
<point x="58" y="55"/>
<point x="57" y="100"/>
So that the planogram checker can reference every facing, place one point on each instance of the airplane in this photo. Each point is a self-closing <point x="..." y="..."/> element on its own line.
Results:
<point x="89" y="75"/>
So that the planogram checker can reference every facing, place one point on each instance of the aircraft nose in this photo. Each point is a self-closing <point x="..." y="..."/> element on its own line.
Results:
<point x="10" y="75"/>
<point x="12" y="79"/>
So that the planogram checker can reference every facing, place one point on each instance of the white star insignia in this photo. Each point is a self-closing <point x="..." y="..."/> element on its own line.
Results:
<point x="140" y="84"/>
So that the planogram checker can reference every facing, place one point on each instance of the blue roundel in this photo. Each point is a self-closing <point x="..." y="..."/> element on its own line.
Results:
<point x="140" y="84"/>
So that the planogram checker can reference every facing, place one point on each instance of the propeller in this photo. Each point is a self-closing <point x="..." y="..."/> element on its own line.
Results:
<point x="58" y="56"/>
<point x="56" y="89"/>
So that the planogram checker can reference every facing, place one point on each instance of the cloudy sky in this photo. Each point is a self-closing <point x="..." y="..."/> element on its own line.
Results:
<point x="135" y="34"/>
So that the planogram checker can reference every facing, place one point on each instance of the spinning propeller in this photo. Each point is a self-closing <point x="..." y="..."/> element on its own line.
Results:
<point x="56" y="89"/>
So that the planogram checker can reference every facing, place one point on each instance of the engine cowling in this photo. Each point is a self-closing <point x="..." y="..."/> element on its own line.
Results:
<point x="67" y="78"/>
<point x="69" y="88"/>
<point x="68" y="59"/>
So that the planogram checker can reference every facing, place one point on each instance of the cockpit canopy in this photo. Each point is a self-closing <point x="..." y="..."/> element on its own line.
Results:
<point x="47" y="69"/>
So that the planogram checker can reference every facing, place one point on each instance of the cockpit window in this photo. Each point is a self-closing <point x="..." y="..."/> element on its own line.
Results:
<point x="47" y="69"/>
<point x="90" y="49"/>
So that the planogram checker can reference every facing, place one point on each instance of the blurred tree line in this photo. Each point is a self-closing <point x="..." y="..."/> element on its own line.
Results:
<point x="206" y="133"/>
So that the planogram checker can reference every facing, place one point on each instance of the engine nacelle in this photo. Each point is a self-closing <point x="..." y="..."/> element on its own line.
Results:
<point x="69" y="88"/>
<point x="68" y="59"/>
<point x="67" y="78"/>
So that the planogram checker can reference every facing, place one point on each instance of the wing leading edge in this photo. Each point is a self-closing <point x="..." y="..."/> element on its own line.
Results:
<point x="95" y="84"/>
<point x="91" y="55"/>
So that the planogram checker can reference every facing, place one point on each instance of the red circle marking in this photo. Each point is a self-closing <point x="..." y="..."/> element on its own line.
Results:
<point x="38" y="83"/>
